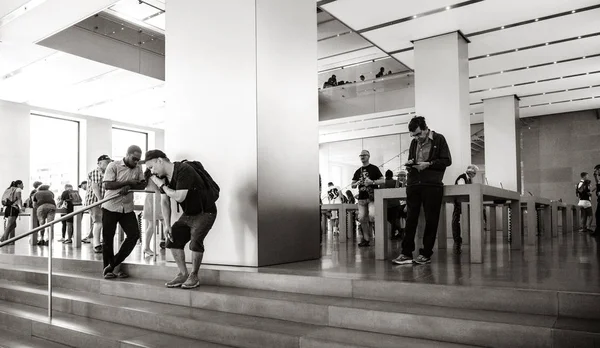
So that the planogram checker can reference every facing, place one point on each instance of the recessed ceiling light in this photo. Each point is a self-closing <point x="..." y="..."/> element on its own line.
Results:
<point x="546" y="43"/>
<point x="415" y="16"/>
<point x="590" y="86"/>
<point x="561" y="77"/>
<point x="554" y="62"/>
<point x="573" y="11"/>
<point x="516" y="49"/>
<point x="489" y="89"/>
<point x="537" y="19"/>
<point x="566" y="90"/>
<point x="488" y="55"/>
<point x="502" y="27"/>
<point x="587" y="73"/>
<point x="544" y="93"/>
<point x="579" y="37"/>
<point x="502" y="72"/>
<point x="583" y="57"/>
<point x="447" y="8"/>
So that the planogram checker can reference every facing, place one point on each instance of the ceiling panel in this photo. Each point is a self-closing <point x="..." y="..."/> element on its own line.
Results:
<point x="554" y="29"/>
<point x="407" y="58"/>
<point x="341" y="44"/>
<point x="480" y="16"/>
<point x="331" y="28"/>
<point x="545" y="54"/>
<point x="158" y="21"/>
<point x="534" y="74"/>
<point x="369" y="53"/>
<point x="360" y="14"/>
<point x="16" y="56"/>
<point x="134" y="8"/>
<point x="554" y="85"/>
<point x="323" y="17"/>
<point x="561" y="96"/>
<point x="7" y="6"/>
<point x="560" y="108"/>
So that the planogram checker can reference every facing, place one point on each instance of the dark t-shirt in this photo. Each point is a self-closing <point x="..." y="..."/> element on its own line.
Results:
<point x="371" y="172"/>
<point x="186" y="178"/>
<point x="66" y="197"/>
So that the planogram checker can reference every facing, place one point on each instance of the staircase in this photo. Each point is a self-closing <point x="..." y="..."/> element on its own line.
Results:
<point x="250" y="308"/>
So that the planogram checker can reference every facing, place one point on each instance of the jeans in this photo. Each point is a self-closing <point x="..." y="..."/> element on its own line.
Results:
<point x="366" y="215"/>
<point x="430" y="197"/>
<point x="129" y="224"/>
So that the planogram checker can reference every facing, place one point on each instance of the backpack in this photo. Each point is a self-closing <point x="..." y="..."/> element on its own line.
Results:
<point x="211" y="189"/>
<point x="75" y="197"/>
<point x="8" y="197"/>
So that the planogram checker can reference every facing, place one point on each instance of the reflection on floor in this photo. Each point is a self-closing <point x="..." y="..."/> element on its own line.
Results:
<point x="569" y="262"/>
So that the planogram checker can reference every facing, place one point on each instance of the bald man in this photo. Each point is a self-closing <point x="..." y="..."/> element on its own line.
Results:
<point x="119" y="178"/>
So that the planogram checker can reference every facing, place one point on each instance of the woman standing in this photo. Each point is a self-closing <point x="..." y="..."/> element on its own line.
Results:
<point x="12" y="210"/>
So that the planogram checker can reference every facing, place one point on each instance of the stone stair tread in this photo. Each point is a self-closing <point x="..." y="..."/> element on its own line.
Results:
<point x="230" y="319"/>
<point x="10" y="339"/>
<point x="577" y="324"/>
<point x="354" y="338"/>
<point x="132" y="336"/>
<point x="358" y="304"/>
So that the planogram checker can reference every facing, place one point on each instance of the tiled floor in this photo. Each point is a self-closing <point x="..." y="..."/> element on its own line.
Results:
<point x="569" y="262"/>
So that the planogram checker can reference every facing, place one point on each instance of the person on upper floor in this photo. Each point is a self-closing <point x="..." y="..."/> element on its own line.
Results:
<point x="380" y="73"/>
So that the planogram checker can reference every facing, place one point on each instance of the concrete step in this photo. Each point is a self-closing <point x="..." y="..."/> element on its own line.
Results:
<point x="542" y="302"/>
<point x="9" y="339"/>
<point x="74" y="331"/>
<point x="474" y="327"/>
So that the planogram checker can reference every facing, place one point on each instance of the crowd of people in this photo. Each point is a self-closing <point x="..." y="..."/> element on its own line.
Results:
<point x="332" y="80"/>
<point x="109" y="199"/>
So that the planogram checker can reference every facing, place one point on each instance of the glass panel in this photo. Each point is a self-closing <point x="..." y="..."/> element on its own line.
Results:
<point x="385" y="150"/>
<point x="54" y="152"/>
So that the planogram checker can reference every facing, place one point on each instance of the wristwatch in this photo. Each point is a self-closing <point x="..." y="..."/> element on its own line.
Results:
<point x="161" y="187"/>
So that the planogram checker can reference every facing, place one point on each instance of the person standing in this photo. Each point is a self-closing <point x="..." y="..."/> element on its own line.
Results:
<point x="119" y="178"/>
<point x="584" y="193"/>
<point x="151" y="201"/>
<point x="596" y="175"/>
<point x="45" y="207"/>
<point x="95" y="192"/>
<point x="182" y="182"/>
<point x="393" y="206"/>
<point x="463" y="179"/>
<point x="366" y="178"/>
<point x="13" y="204"/>
<point x="428" y="157"/>
<point x="334" y="196"/>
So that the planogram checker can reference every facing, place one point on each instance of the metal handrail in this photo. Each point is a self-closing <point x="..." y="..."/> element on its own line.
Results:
<point x="51" y="237"/>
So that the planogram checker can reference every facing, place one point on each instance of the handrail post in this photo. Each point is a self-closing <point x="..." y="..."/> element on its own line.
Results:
<point x="50" y="240"/>
<point x="154" y="223"/>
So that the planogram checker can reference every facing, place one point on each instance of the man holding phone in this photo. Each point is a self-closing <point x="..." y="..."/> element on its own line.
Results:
<point x="120" y="177"/>
<point x="428" y="157"/>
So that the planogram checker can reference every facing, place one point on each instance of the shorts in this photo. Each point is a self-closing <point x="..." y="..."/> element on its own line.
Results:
<point x="193" y="229"/>
<point x="96" y="214"/>
<point x="334" y="215"/>
<point x="45" y="212"/>
<point x="366" y="210"/>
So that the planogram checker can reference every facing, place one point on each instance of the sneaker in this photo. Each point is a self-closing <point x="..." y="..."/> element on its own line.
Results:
<point x="85" y="241"/>
<point x="421" y="260"/>
<point x="191" y="282"/>
<point x="40" y="242"/>
<point x="108" y="272"/>
<point x="403" y="260"/>
<point x="68" y="241"/>
<point x="177" y="281"/>
<point x="364" y="243"/>
<point x="61" y="240"/>
<point x="98" y="249"/>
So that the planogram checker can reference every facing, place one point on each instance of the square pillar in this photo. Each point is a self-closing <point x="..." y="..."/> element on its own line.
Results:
<point x="501" y="129"/>
<point x="442" y="94"/>
<point x="242" y="99"/>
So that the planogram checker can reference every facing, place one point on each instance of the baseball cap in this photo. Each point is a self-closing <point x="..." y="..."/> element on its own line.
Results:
<point x="104" y="158"/>
<point x="83" y="183"/>
<point x="154" y="154"/>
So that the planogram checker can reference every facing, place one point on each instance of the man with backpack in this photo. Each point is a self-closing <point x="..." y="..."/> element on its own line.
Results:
<point x="584" y="193"/>
<point x="12" y="203"/>
<point x="192" y="188"/>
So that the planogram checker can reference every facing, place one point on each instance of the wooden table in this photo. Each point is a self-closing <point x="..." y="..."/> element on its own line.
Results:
<point x="531" y="203"/>
<point x="342" y="208"/>
<point x="474" y="194"/>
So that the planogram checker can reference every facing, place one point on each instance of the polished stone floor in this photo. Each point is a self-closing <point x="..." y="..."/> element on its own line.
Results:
<point x="570" y="262"/>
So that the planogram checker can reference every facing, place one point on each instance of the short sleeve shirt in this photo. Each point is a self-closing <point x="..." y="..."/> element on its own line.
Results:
<point x="94" y="177"/>
<point x="370" y="172"/>
<point x="66" y="197"/>
<point x="186" y="178"/>
<point x="118" y="171"/>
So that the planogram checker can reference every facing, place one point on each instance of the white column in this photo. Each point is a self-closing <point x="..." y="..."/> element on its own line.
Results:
<point x="14" y="154"/>
<point x="241" y="98"/>
<point x="502" y="142"/>
<point x="442" y="94"/>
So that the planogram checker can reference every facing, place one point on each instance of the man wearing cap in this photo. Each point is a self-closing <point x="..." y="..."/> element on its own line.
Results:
<point x="463" y="179"/>
<point x="119" y="178"/>
<point x="181" y="182"/>
<point x="366" y="178"/>
<point x="95" y="194"/>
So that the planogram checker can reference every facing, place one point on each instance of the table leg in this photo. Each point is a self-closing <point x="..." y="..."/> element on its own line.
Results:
<point x="531" y="223"/>
<point x="465" y="223"/>
<point x="476" y="224"/>
<point x="517" y="237"/>
<point x="504" y="222"/>
<point x="554" y="210"/>
<point x="493" y="227"/>
<point x="380" y="210"/>
<point x="576" y="218"/>
<point x="343" y="224"/>
<point x="547" y="222"/>
<point x="569" y="218"/>
<point x="442" y="241"/>
<point x="33" y="223"/>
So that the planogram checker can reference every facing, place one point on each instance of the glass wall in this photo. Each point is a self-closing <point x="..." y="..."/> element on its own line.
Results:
<point x="124" y="138"/>
<point x="339" y="160"/>
<point x="54" y="152"/>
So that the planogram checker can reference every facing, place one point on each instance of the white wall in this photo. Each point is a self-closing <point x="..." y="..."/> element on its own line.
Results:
<point x="14" y="152"/>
